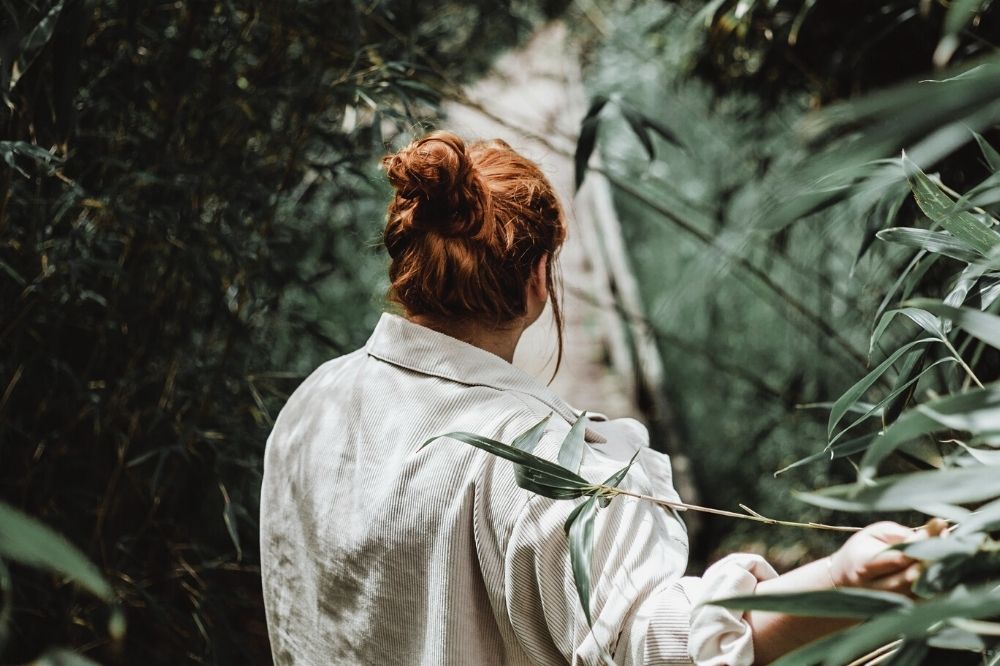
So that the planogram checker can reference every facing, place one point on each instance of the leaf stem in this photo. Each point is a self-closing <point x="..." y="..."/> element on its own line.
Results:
<point x="608" y="491"/>
<point x="961" y="361"/>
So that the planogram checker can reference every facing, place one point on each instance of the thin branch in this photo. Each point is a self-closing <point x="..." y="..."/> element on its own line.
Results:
<point x="610" y="491"/>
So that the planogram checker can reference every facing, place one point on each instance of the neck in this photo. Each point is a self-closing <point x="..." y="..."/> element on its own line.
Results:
<point x="495" y="340"/>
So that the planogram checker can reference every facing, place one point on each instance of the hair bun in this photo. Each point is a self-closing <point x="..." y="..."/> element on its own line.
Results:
<point x="445" y="194"/>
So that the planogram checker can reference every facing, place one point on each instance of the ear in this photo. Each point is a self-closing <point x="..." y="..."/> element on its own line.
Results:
<point x="538" y="284"/>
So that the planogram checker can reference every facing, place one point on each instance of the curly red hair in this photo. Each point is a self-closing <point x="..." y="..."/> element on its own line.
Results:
<point x="466" y="228"/>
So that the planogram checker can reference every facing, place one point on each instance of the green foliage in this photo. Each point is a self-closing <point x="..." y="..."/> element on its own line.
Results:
<point x="856" y="233"/>
<point x="189" y="222"/>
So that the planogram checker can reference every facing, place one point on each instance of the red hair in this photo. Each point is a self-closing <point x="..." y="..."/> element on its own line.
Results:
<point x="466" y="228"/>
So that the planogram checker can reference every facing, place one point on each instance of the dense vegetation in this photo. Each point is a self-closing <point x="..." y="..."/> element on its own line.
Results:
<point x="189" y="221"/>
<point x="814" y="260"/>
<point x="764" y="318"/>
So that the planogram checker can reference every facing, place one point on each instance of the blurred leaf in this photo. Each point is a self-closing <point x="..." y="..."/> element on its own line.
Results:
<point x="950" y="637"/>
<point x="941" y="547"/>
<point x="932" y="241"/>
<point x="637" y="123"/>
<point x="971" y="411"/>
<point x="990" y="154"/>
<point x="960" y="12"/>
<point x="914" y="621"/>
<point x="63" y="657"/>
<point x="33" y="42"/>
<point x="940" y="208"/>
<point x="588" y="138"/>
<point x="10" y="150"/>
<point x="571" y="449"/>
<point x="985" y="519"/>
<point x="980" y="325"/>
<point x="25" y="540"/>
<point x="910" y="653"/>
<point x="910" y="491"/>
<point x="846" y="602"/>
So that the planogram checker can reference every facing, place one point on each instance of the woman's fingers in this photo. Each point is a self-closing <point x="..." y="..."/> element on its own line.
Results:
<point x="899" y="582"/>
<point x="887" y="562"/>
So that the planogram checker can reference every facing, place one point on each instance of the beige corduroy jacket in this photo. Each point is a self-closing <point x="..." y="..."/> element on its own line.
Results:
<point x="375" y="551"/>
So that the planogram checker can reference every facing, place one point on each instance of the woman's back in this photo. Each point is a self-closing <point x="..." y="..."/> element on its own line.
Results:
<point x="370" y="549"/>
<point x="377" y="551"/>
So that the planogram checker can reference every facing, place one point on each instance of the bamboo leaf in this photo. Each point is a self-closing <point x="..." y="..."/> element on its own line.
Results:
<point x="898" y="389"/>
<point x="531" y="472"/>
<point x="580" y="528"/>
<point x="973" y="411"/>
<point x="847" y="602"/>
<point x="588" y="138"/>
<point x="26" y="540"/>
<point x="980" y="325"/>
<point x="990" y="154"/>
<point x="32" y="43"/>
<point x="906" y="492"/>
<point x="839" y="450"/>
<point x="639" y="128"/>
<point x="571" y="449"/>
<point x="937" y="242"/>
<point x="985" y="519"/>
<point x="921" y="318"/>
<point x="940" y="208"/>
<point x="914" y="621"/>
<point x="528" y="440"/>
<point x="856" y="392"/>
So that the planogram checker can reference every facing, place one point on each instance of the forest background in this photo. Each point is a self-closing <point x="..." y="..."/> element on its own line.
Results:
<point x="189" y="223"/>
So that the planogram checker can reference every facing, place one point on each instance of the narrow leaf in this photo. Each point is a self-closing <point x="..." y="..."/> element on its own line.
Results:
<point x="528" y="440"/>
<point x="937" y="242"/>
<point x="571" y="449"/>
<point x="972" y="410"/>
<point x="639" y="128"/>
<point x="856" y="392"/>
<point x="985" y="519"/>
<point x="980" y="325"/>
<point x="939" y="207"/>
<point x="910" y="491"/>
<point x="25" y="540"/>
<point x="990" y="154"/>
<point x="588" y="138"/>
<point x="847" y="602"/>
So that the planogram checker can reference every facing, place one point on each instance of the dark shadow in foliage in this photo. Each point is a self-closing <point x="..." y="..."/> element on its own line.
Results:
<point x="188" y="212"/>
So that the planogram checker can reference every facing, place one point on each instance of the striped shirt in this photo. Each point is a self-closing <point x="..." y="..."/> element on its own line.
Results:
<point x="377" y="551"/>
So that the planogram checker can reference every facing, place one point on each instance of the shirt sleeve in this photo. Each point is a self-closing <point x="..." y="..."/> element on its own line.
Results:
<point x="644" y="611"/>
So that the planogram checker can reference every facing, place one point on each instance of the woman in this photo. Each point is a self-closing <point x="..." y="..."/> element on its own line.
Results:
<point x="377" y="551"/>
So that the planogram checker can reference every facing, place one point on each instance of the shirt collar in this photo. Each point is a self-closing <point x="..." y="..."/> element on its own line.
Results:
<point x="401" y="342"/>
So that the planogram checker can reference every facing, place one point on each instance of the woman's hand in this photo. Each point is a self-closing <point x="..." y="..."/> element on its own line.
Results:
<point x="867" y="560"/>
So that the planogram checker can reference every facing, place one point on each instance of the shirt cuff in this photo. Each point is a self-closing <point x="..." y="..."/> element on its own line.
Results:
<point x="720" y="636"/>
